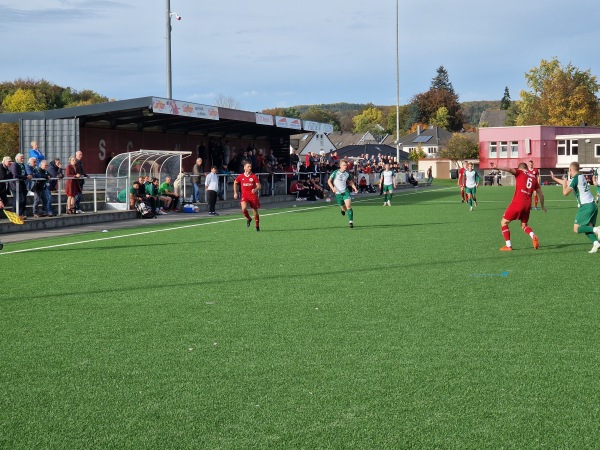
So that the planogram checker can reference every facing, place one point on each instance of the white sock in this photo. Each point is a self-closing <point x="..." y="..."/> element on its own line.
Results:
<point x="531" y="235"/>
<point x="508" y="244"/>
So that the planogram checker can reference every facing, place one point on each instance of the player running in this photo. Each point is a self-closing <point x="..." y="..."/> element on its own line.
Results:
<point x="520" y="206"/>
<point x="387" y="182"/>
<point x="250" y="187"/>
<point x="585" y="220"/>
<point x="338" y="183"/>
<point x="471" y="181"/>
<point x="461" y="183"/>
<point x="536" y="173"/>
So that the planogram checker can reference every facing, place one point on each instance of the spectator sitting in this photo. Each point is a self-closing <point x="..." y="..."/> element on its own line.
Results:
<point x="298" y="188"/>
<point x="411" y="180"/>
<point x="318" y="191"/>
<point x="152" y="191"/>
<point x="166" y="189"/>
<point x="362" y="185"/>
<point x="136" y="195"/>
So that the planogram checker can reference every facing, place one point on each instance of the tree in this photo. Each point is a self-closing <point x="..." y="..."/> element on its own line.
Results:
<point x="440" y="94"/>
<point x="9" y="139"/>
<point x="416" y="154"/>
<point x="441" y="119"/>
<point x="559" y="96"/>
<point x="368" y="120"/>
<point x="22" y="101"/>
<point x="459" y="148"/>
<point x="317" y="114"/>
<point x="505" y="102"/>
<point x="442" y="80"/>
<point x="224" y="101"/>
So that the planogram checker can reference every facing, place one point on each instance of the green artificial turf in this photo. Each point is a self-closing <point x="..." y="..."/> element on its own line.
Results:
<point x="411" y="330"/>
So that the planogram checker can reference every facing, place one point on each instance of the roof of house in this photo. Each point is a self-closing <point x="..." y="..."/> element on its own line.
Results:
<point x="344" y="138"/>
<point x="493" y="117"/>
<point x="431" y="136"/>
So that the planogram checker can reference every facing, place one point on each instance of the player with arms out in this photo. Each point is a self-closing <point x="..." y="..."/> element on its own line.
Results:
<point x="250" y="187"/>
<point x="471" y="181"/>
<point x="338" y="183"/>
<point x="520" y="206"/>
<point x="536" y="173"/>
<point x="587" y="213"/>
<point x="461" y="182"/>
<point x="387" y="182"/>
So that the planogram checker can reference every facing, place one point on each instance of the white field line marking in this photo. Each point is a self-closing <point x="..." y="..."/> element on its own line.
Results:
<point x="181" y="227"/>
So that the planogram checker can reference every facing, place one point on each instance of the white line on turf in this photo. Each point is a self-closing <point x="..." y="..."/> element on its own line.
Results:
<point x="181" y="227"/>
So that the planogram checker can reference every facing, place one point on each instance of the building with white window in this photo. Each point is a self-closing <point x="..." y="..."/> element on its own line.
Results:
<point x="548" y="147"/>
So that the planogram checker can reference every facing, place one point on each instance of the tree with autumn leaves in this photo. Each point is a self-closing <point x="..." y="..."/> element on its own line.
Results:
<point x="559" y="95"/>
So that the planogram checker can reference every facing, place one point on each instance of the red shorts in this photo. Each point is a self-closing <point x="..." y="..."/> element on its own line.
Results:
<point x="253" y="202"/>
<point x="520" y="212"/>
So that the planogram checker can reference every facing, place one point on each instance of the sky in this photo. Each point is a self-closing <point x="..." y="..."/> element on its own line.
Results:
<point x="268" y="53"/>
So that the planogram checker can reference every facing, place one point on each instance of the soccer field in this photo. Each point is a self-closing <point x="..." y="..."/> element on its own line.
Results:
<point x="411" y="330"/>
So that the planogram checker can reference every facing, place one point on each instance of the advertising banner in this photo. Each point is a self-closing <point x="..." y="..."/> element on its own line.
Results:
<point x="288" y="122"/>
<point x="179" y="108"/>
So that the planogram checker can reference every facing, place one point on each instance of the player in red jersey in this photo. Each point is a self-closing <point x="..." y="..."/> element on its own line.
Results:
<point x="520" y="206"/>
<point x="461" y="179"/>
<point x="536" y="173"/>
<point x="250" y="187"/>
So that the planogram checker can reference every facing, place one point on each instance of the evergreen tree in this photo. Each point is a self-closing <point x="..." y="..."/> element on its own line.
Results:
<point x="505" y="102"/>
<point x="442" y="80"/>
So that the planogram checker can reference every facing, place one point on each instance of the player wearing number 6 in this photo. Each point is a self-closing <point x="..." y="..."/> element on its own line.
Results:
<point x="585" y="221"/>
<point x="520" y="206"/>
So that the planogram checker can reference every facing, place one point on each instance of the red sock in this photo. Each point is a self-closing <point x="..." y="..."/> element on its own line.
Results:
<point x="246" y="215"/>
<point x="506" y="233"/>
<point x="535" y="201"/>
<point x="527" y="230"/>
<point x="257" y="219"/>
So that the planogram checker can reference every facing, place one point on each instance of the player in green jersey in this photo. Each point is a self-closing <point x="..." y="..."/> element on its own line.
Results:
<point x="388" y="181"/>
<point x="338" y="183"/>
<point x="471" y="181"/>
<point x="587" y="213"/>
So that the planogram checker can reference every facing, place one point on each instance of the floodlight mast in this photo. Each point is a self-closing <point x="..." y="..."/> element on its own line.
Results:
<point x="177" y="17"/>
<point x="397" y="86"/>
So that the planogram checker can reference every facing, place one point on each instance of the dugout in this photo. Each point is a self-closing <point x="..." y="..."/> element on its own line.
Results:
<point x="125" y="168"/>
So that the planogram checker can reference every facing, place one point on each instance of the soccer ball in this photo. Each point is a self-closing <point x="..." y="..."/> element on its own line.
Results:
<point x="327" y="199"/>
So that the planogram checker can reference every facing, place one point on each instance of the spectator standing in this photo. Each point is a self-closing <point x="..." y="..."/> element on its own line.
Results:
<point x="430" y="175"/>
<point x="197" y="170"/>
<point x="211" y="185"/>
<point x="5" y="174"/>
<point x="56" y="171"/>
<point x="19" y="172"/>
<point x="223" y="180"/>
<point x="72" y="186"/>
<point x="81" y="172"/>
<point x="30" y="170"/>
<point x="42" y="190"/>
<point x="34" y="152"/>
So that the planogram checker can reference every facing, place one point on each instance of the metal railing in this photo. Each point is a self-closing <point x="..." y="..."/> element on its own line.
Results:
<point x="60" y="191"/>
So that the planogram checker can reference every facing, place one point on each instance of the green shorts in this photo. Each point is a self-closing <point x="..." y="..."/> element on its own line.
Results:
<point x="472" y="191"/>
<point x="341" y="198"/>
<point x="388" y="188"/>
<point x="587" y="213"/>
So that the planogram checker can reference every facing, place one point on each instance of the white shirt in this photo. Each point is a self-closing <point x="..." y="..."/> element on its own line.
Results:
<point x="212" y="182"/>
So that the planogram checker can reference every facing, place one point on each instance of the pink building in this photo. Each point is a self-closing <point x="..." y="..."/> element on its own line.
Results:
<point x="549" y="147"/>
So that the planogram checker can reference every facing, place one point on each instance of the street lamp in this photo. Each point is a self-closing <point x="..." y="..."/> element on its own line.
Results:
<point x="177" y="17"/>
